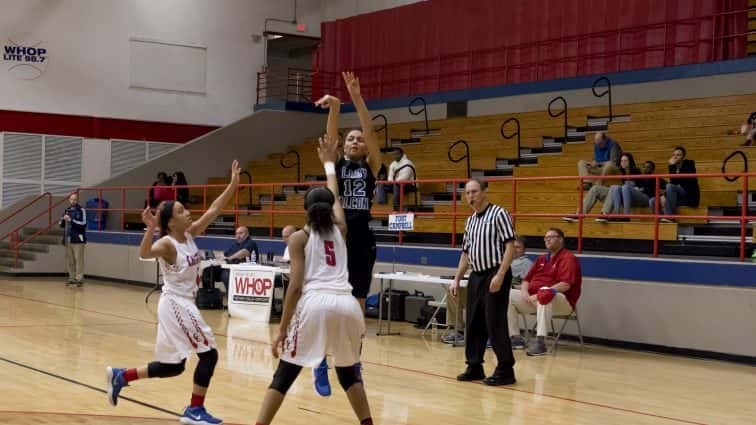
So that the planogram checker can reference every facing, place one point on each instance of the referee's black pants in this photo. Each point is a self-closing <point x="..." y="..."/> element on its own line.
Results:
<point x="487" y="319"/>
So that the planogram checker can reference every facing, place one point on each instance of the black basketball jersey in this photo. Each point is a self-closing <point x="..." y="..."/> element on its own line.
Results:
<point x="356" y="186"/>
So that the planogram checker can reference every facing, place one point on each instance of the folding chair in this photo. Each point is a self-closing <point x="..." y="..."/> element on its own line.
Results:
<point x="557" y="334"/>
<point x="439" y="305"/>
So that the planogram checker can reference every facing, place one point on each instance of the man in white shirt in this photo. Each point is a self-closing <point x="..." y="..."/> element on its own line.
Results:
<point x="285" y="233"/>
<point x="401" y="169"/>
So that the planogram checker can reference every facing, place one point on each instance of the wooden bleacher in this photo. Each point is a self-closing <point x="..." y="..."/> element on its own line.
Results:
<point x="653" y="130"/>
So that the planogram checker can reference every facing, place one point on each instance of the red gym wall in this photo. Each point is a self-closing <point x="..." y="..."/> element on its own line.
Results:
<point x="99" y="128"/>
<point x="442" y="45"/>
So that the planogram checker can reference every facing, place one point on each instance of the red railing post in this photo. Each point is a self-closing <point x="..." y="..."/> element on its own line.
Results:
<point x="272" y="212"/>
<point x="100" y="213"/>
<point x="236" y="208"/>
<point x="454" y="213"/>
<point x="657" y="202"/>
<point x="514" y="202"/>
<point x="580" y="215"/>
<point x="204" y="198"/>
<point x="123" y="209"/>
<point x="49" y="209"/>
<point x="743" y="214"/>
<point x="401" y="204"/>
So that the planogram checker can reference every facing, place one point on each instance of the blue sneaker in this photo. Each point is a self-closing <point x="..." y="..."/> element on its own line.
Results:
<point x="197" y="415"/>
<point x="320" y="376"/>
<point x="116" y="382"/>
<point x="488" y="344"/>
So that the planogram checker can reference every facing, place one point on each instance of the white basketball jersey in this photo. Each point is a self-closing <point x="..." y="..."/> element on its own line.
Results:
<point x="182" y="278"/>
<point x="326" y="263"/>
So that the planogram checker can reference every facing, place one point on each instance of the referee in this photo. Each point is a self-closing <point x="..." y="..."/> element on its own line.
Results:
<point x="488" y="248"/>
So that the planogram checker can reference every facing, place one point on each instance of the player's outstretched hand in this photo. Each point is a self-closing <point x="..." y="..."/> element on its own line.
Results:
<point x="328" y="101"/>
<point x="149" y="219"/>
<point x="352" y="83"/>
<point x="328" y="149"/>
<point x="235" y="170"/>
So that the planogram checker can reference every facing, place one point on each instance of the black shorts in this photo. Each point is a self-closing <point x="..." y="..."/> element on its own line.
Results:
<point x="360" y="260"/>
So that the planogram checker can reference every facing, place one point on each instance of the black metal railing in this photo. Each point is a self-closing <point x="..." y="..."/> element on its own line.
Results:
<point x="297" y="164"/>
<point x="424" y="111"/>
<point x="608" y="92"/>
<point x="745" y="167"/>
<point x="465" y="156"/>
<point x="384" y="128"/>
<point x="516" y="133"/>
<point x="562" y="112"/>
<point x="249" y="176"/>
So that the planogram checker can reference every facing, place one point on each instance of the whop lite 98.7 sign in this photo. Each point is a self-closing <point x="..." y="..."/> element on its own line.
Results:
<point x="24" y="57"/>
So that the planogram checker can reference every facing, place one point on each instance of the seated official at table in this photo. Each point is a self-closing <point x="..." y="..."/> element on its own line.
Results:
<point x="286" y="232"/>
<point x="242" y="250"/>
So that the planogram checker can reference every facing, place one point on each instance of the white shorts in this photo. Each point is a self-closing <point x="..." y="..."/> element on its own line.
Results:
<point x="325" y="323"/>
<point x="181" y="330"/>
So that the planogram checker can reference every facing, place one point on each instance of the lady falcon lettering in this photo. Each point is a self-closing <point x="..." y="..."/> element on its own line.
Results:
<point x="354" y="194"/>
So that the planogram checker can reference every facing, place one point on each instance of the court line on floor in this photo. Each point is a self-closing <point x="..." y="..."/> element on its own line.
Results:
<point x="422" y="372"/>
<point x="94" y="415"/>
<point x="78" y="308"/>
<point x="64" y="325"/>
<point x="556" y="397"/>
<point x="85" y="385"/>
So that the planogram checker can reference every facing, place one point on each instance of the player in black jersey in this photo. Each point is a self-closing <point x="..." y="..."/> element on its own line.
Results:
<point x="356" y="176"/>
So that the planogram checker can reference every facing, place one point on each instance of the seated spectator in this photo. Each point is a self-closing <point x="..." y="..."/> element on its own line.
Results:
<point x="679" y="191"/>
<point x="551" y="287"/>
<point x="749" y="130"/>
<point x="182" y="193"/>
<point x="597" y="192"/>
<point x="606" y="157"/>
<point x="380" y="190"/>
<point x="520" y="263"/>
<point x="635" y="192"/>
<point x="401" y="169"/>
<point x="456" y="336"/>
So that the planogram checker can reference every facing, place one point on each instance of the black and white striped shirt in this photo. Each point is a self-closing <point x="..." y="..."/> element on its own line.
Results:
<point x="486" y="233"/>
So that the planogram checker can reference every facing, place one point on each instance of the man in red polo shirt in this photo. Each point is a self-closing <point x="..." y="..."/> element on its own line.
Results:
<point x="551" y="287"/>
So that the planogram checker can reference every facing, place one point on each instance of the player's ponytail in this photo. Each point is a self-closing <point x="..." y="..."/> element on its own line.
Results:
<point x="318" y="202"/>
<point x="165" y="212"/>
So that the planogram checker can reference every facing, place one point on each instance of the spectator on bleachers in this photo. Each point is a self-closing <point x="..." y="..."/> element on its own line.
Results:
<point x="520" y="263"/>
<point x="627" y="168"/>
<point x="551" y="287"/>
<point x="595" y="193"/>
<point x="606" y="157"/>
<point x="160" y="190"/>
<point x="182" y="193"/>
<point x="635" y="192"/>
<point x="380" y="190"/>
<point x="401" y="169"/>
<point x="749" y="130"/>
<point x="679" y="191"/>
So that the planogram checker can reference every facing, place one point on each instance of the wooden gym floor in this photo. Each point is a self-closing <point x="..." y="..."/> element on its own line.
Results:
<point x="56" y="342"/>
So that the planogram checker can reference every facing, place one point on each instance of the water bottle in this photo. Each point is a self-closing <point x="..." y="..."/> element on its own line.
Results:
<point x="434" y="328"/>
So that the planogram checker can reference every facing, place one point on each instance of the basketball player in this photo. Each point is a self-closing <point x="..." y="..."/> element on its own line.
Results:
<point x="320" y="314"/>
<point x="356" y="177"/>
<point x="181" y="329"/>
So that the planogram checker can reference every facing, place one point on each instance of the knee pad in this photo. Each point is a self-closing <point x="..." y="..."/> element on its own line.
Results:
<point x="165" y="370"/>
<point x="205" y="367"/>
<point x="285" y="375"/>
<point x="349" y="375"/>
